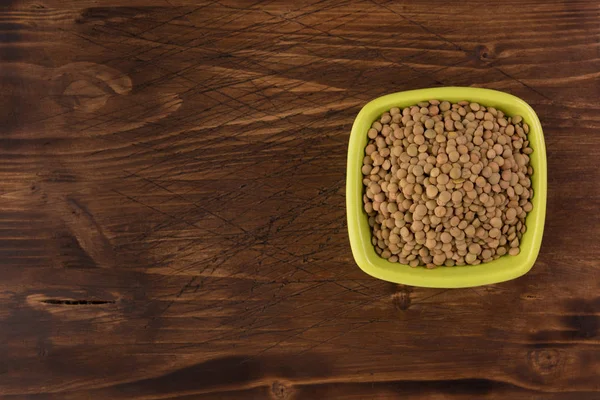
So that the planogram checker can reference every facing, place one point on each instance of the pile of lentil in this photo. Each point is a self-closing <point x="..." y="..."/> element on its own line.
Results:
<point x="447" y="184"/>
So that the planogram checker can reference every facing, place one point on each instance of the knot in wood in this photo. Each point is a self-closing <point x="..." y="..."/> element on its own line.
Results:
<point x="483" y="53"/>
<point x="544" y="361"/>
<point x="280" y="390"/>
<point x="401" y="300"/>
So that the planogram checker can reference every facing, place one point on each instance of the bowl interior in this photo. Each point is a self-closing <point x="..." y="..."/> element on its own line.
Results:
<point x="502" y="269"/>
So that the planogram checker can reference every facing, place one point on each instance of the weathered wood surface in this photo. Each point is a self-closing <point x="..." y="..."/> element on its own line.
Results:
<point x="172" y="220"/>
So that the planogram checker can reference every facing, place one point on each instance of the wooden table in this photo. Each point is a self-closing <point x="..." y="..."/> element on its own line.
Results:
<point x="172" y="192"/>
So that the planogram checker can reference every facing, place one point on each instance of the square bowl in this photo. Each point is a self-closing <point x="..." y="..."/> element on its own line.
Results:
<point x="504" y="268"/>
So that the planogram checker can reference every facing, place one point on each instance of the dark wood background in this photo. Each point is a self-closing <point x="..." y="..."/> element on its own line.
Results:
<point x="172" y="221"/>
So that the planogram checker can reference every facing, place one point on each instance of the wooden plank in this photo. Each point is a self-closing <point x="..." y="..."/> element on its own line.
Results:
<point x="173" y="220"/>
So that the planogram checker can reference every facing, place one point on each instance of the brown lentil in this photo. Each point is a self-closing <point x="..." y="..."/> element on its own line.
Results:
<point x="447" y="184"/>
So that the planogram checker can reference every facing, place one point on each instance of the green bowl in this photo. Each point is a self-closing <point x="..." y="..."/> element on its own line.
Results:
<point x="504" y="268"/>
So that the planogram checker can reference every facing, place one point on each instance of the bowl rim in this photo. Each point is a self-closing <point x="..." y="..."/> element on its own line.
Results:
<point x="502" y="269"/>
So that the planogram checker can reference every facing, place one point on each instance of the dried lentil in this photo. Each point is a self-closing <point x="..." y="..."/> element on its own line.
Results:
<point x="447" y="184"/>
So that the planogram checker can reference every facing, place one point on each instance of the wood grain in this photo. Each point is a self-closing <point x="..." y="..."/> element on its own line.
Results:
<point x="172" y="190"/>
